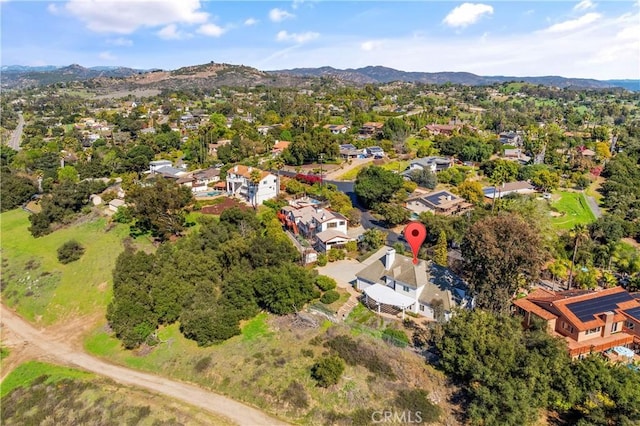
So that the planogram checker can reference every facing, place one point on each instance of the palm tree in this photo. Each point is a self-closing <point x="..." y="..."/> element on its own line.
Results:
<point x="579" y="233"/>
<point x="254" y="179"/>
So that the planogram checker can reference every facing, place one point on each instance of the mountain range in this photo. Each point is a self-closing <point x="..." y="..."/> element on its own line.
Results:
<point x="215" y="75"/>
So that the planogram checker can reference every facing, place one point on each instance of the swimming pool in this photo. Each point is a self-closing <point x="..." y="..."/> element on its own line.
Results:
<point x="209" y="194"/>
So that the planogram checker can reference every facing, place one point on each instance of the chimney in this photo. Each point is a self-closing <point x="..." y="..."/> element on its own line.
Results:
<point x="608" y="322"/>
<point x="389" y="258"/>
<point x="250" y="169"/>
<point x="235" y="169"/>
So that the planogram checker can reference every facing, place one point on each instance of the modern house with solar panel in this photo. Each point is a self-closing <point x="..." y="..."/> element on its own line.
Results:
<point x="589" y="321"/>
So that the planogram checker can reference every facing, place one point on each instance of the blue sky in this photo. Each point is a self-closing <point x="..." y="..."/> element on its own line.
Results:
<point x="583" y="38"/>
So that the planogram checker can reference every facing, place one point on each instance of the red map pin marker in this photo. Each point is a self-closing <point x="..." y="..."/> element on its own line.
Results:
<point x="415" y="233"/>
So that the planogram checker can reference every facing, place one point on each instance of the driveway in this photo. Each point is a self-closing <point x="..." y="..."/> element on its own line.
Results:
<point x="344" y="271"/>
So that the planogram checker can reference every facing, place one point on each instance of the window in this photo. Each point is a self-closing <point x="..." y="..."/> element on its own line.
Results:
<point x="422" y="307"/>
<point x="342" y="223"/>
<point x="630" y="325"/>
<point x="405" y="288"/>
<point x="593" y="330"/>
<point x="567" y="327"/>
<point x="615" y="327"/>
<point x="332" y="225"/>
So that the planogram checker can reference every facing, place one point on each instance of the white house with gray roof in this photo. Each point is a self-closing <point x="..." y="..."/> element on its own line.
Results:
<point x="394" y="283"/>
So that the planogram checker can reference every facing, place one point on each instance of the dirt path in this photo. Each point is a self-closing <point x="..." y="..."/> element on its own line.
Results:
<point x="44" y="346"/>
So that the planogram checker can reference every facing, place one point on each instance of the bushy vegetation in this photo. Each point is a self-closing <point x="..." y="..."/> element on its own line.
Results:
<point x="355" y="352"/>
<point x="15" y="190"/>
<point x="64" y="202"/>
<point x="396" y="337"/>
<point x="327" y="370"/>
<point x="329" y="297"/>
<point x="70" y="252"/>
<point x="509" y="374"/>
<point x="325" y="283"/>
<point x="209" y="281"/>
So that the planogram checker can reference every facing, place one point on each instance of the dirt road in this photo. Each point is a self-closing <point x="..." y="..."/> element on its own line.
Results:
<point x="50" y="348"/>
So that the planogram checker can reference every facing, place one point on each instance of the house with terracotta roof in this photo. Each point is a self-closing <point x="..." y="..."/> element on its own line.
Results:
<point x="251" y="184"/>
<point x="279" y="147"/>
<point x="589" y="321"/>
<point x="394" y="284"/>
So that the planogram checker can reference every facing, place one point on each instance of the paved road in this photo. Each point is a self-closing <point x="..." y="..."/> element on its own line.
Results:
<point x="50" y="348"/>
<point x="593" y="205"/>
<point x="16" y="136"/>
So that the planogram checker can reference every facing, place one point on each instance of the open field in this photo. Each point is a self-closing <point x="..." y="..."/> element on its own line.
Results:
<point x="269" y="365"/>
<point x="37" y="393"/>
<point x="574" y="209"/>
<point x="394" y="165"/>
<point x="45" y="291"/>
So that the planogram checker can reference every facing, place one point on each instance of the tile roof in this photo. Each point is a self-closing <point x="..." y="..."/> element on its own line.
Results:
<point x="584" y="310"/>
<point x="245" y="171"/>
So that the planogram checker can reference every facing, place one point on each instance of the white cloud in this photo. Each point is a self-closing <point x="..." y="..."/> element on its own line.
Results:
<point x="574" y="24"/>
<point x="171" y="32"/>
<point x="467" y="14"/>
<point x="297" y="37"/>
<point x="370" y="45"/>
<point x="107" y="56"/>
<point x="124" y="17"/>
<point x="279" y="15"/>
<point x="251" y="21"/>
<point x="584" y="5"/>
<point x="211" y="30"/>
<point x="296" y="3"/>
<point x="587" y="53"/>
<point x="53" y="9"/>
<point x="120" y="41"/>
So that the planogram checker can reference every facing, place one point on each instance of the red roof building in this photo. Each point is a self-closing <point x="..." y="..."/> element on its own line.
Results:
<point x="589" y="321"/>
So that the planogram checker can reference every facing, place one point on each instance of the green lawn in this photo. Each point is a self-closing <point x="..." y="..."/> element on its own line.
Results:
<point x="574" y="209"/>
<point x="44" y="290"/>
<point x="26" y="373"/>
<point x="394" y="165"/>
<point x="353" y="173"/>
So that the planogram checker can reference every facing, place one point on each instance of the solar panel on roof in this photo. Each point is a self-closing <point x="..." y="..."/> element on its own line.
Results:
<point x="634" y="313"/>
<point x="587" y="309"/>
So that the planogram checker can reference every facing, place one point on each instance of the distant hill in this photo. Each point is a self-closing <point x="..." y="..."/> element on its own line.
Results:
<point x="379" y="74"/>
<point x="633" y="85"/>
<point x="217" y="74"/>
<point x="17" y="76"/>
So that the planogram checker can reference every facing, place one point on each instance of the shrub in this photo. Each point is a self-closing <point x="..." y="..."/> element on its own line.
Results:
<point x="202" y="364"/>
<point x="396" y="337"/>
<point x="351" y="246"/>
<point x="336" y="254"/>
<point x="325" y="283"/>
<point x="296" y="395"/>
<point x="355" y="353"/>
<point x="327" y="370"/>
<point x="70" y="252"/>
<point x="329" y="297"/>
<point x="417" y="401"/>
<point x="322" y="259"/>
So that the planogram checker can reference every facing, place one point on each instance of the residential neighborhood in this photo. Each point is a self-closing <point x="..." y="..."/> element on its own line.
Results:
<point x="232" y="217"/>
